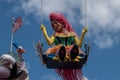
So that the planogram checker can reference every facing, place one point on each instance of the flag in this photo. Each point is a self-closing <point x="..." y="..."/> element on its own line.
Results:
<point x="17" y="24"/>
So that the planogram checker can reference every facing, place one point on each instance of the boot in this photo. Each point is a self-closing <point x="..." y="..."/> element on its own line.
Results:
<point x="62" y="53"/>
<point x="74" y="53"/>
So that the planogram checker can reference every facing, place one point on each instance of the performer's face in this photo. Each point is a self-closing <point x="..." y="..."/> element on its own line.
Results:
<point x="57" y="26"/>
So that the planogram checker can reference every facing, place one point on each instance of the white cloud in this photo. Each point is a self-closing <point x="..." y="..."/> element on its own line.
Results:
<point x="8" y="0"/>
<point x="103" y="20"/>
<point x="104" y="41"/>
<point x="103" y="17"/>
<point x="85" y="78"/>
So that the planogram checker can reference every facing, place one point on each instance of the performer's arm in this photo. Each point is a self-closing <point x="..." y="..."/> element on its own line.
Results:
<point x="50" y="40"/>
<point x="82" y="36"/>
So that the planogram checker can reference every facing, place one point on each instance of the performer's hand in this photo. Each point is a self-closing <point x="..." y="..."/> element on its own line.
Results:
<point x="85" y="29"/>
<point x="42" y="27"/>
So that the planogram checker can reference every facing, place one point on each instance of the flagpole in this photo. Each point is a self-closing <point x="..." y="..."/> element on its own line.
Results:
<point x="12" y="35"/>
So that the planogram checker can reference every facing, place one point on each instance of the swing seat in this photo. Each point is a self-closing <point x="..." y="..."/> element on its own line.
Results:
<point x="56" y="64"/>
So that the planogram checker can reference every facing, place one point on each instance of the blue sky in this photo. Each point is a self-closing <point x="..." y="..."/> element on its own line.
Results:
<point x="103" y="21"/>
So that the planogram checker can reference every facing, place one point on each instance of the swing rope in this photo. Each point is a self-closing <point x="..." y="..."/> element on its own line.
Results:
<point x="42" y="18"/>
<point x="42" y="11"/>
<point x="85" y="3"/>
<point x="85" y="12"/>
